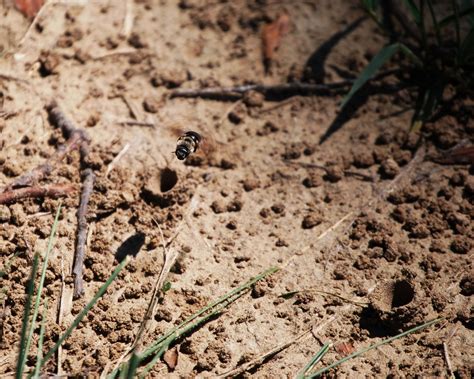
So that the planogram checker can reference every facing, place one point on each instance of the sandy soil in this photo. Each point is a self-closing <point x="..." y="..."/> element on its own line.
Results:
<point x="375" y="234"/>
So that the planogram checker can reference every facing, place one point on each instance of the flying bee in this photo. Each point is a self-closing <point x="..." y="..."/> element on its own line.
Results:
<point x="187" y="144"/>
<point x="201" y="148"/>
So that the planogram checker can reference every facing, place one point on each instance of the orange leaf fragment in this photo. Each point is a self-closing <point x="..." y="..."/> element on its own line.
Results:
<point x="344" y="348"/>
<point x="171" y="358"/>
<point x="29" y="7"/>
<point x="271" y="37"/>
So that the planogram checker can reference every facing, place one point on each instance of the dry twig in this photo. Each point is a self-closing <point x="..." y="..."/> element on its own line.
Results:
<point x="53" y="190"/>
<point x="275" y="89"/>
<point x="117" y="158"/>
<point x="87" y="187"/>
<point x="71" y="131"/>
<point x="137" y="123"/>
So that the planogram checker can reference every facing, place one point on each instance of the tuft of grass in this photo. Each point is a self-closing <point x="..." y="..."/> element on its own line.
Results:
<point x="28" y="327"/>
<point x="435" y="60"/>
<point x="314" y="360"/>
<point x="323" y="351"/>
<point x="156" y="350"/>
<point x="86" y="309"/>
<point x="32" y="305"/>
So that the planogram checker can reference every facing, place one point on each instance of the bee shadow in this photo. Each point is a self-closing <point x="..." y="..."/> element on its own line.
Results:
<point x="131" y="246"/>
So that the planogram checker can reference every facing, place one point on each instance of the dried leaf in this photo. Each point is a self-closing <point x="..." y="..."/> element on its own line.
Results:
<point x="272" y="35"/>
<point x="171" y="358"/>
<point x="29" y="7"/>
<point x="344" y="348"/>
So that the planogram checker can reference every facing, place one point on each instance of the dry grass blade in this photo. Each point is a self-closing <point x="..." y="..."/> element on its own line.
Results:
<point x="261" y="358"/>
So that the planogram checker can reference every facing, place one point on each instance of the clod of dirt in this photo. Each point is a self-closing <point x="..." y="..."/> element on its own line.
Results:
<point x="93" y="119"/>
<point x="267" y="128"/>
<point x="363" y="159"/>
<point x="292" y="152"/>
<point x="151" y="104"/>
<point x="225" y="17"/>
<point x="469" y="187"/>
<point x="18" y="215"/>
<point x="234" y="206"/>
<point x="278" y="208"/>
<point x="81" y="56"/>
<point x="136" y="41"/>
<point x="457" y="179"/>
<point x="49" y="63"/>
<point x="5" y="213"/>
<point x="311" y="220"/>
<point x="313" y="180"/>
<point x="253" y="99"/>
<point x="251" y="184"/>
<point x="461" y="245"/>
<point x="237" y="115"/>
<point x="232" y="225"/>
<point x="467" y="286"/>
<point x="172" y="78"/>
<point x="334" y="173"/>
<point x="218" y="206"/>
<point x="389" y="169"/>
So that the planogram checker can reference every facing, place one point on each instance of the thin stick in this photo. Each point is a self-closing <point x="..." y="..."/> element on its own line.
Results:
<point x="131" y="107"/>
<point x="238" y="91"/>
<point x="114" y="54"/>
<point x="279" y="105"/>
<point x="54" y="191"/>
<point x="87" y="187"/>
<point x="448" y="360"/>
<point x="261" y="358"/>
<point x="68" y="128"/>
<point x="137" y="123"/>
<point x="117" y="158"/>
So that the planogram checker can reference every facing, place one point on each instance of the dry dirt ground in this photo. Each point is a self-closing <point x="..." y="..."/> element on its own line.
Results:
<point x="374" y="235"/>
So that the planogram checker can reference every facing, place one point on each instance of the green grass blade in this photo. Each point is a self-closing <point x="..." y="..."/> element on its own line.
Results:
<point x="374" y="346"/>
<point x="133" y="365"/>
<point x="26" y="338"/>
<point x="452" y="18"/>
<point x="86" y="309"/>
<point x="457" y="23"/>
<point x="410" y="55"/>
<point x="435" y="23"/>
<point x="26" y="315"/>
<point x="317" y="357"/>
<point x="415" y="12"/>
<point x="208" y="307"/>
<point x="465" y="5"/>
<point x="41" y="281"/>
<point x="41" y="337"/>
<point x="370" y="5"/>
<point x="378" y="61"/>
<point x="466" y="52"/>
<point x="162" y="344"/>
